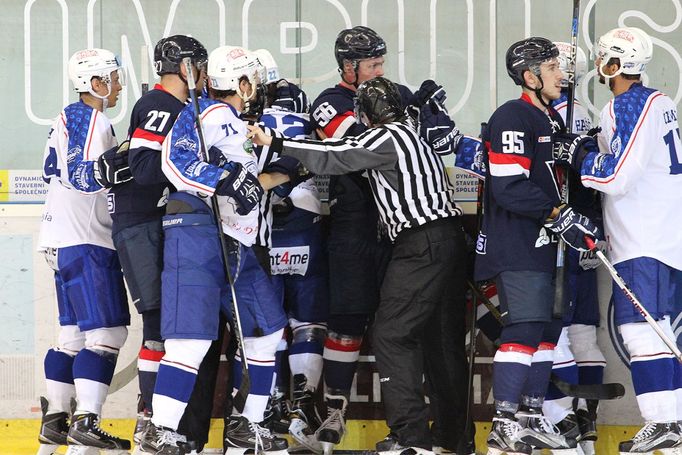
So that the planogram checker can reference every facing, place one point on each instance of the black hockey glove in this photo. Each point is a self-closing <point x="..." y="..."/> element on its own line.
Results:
<point x="111" y="168"/>
<point x="572" y="227"/>
<point x="432" y="120"/>
<point x="290" y="97"/>
<point x="240" y="185"/>
<point x="571" y="149"/>
<point x="216" y="157"/>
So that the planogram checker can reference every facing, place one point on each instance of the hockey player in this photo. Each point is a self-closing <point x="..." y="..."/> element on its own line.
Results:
<point x="577" y="357"/>
<point x="75" y="236"/>
<point x="297" y="256"/>
<point x="194" y="289"/>
<point x="517" y="246"/>
<point x="137" y="207"/>
<point x="635" y="163"/>
<point x="426" y="269"/>
<point x="358" y="249"/>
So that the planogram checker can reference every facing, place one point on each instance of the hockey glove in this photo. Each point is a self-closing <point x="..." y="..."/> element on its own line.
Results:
<point x="290" y="97"/>
<point x="572" y="227"/>
<point x="432" y="120"/>
<point x="571" y="149"/>
<point x="216" y="157"/>
<point x="111" y="168"/>
<point x="293" y="168"/>
<point x="240" y="185"/>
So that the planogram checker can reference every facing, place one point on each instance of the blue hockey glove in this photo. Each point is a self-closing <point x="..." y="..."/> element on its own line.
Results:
<point x="432" y="120"/>
<point x="572" y="227"/>
<point x="571" y="149"/>
<point x="240" y="185"/>
<point x="111" y="168"/>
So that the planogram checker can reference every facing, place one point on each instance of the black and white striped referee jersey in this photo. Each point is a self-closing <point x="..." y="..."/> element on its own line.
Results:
<point x="408" y="179"/>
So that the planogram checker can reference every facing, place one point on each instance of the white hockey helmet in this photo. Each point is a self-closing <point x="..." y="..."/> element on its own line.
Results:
<point x="631" y="45"/>
<point x="565" y="56"/>
<point x="268" y="61"/>
<point x="227" y="65"/>
<point x="88" y="63"/>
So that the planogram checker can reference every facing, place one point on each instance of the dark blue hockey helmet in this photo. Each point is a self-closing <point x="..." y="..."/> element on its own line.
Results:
<point x="358" y="43"/>
<point x="527" y="55"/>
<point x="169" y="53"/>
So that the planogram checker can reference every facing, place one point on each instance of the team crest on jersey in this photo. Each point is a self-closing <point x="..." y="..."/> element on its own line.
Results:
<point x="248" y="146"/>
<point x="187" y="143"/>
<point x="615" y="145"/>
<point x="74" y="152"/>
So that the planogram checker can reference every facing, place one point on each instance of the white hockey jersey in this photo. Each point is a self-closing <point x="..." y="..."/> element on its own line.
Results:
<point x="75" y="211"/>
<point x="639" y="170"/>
<point x="181" y="162"/>
<point x="582" y="122"/>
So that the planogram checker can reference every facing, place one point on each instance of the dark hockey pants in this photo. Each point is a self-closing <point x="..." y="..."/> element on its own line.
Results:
<point x="419" y="329"/>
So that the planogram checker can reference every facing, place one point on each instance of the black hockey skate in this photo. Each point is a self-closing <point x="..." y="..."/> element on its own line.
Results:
<point x="390" y="446"/>
<point x="53" y="429"/>
<point x="248" y="438"/>
<point x="142" y="421"/>
<point x="163" y="441"/>
<point x="305" y="419"/>
<point x="540" y="433"/>
<point x="332" y="429"/>
<point x="587" y="424"/>
<point x="661" y="438"/>
<point x="85" y="433"/>
<point x="504" y="437"/>
<point x="276" y="414"/>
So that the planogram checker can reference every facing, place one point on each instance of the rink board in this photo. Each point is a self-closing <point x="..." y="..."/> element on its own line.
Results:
<point x="19" y="436"/>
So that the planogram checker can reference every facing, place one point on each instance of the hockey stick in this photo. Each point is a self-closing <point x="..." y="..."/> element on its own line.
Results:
<point x="559" y="283"/>
<point x="472" y="323"/>
<point x="633" y="298"/>
<point x="609" y="391"/>
<point x="245" y="386"/>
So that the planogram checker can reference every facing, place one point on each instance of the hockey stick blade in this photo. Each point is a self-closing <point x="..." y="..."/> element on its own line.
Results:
<point x="610" y="391"/>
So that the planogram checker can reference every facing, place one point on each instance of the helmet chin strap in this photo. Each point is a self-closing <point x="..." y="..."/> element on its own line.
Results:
<point x="538" y="91"/>
<point x="105" y="98"/>
<point x="600" y="70"/>
<point x="356" y="66"/>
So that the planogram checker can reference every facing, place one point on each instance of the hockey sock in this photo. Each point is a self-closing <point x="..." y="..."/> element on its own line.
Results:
<point x="557" y="405"/>
<point x="341" y="354"/>
<point x="589" y="358"/>
<point x="281" y="367"/>
<point x="540" y="370"/>
<point x="150" y="355"/>
<point x="511" y="365"/>
<point x="148" y="360"/>
<point x="59" y="380"/>
<point x="305" y="354"/>
<point x="261" y="362"/>
<point x="652" y="366"/>
<point x="175" y="380"/>
<point x="92" y="373"/>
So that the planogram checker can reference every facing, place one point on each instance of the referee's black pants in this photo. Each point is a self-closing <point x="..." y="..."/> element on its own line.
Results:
<point x="419" y="331"/>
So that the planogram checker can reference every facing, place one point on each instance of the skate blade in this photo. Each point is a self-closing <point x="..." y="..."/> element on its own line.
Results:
<point x="81" y="450"/>
<point x="47" y="449"/>
<point x="297" y="430"/>
<point x="587" y="447"/>
<point x="327" y="447"/>
<point x="137" y="450"/>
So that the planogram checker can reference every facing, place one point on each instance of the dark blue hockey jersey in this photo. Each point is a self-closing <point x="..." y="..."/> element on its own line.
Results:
<point x="521" y="189"/>
<point x="349" y="195"/>
<point x="143" y="199"/>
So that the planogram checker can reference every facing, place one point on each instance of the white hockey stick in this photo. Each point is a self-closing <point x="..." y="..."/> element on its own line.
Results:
<point x="633" y="298"/>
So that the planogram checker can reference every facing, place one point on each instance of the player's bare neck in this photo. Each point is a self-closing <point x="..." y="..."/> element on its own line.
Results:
<point x="175" y="86"/>
<point x="533" y="98"/>
<point x="347" y="85"/>
<point x="620" y="85"/>
<point x="92" y="101"/>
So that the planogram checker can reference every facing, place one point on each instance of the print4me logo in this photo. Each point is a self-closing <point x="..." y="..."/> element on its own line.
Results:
<point x="675" y="321"/>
